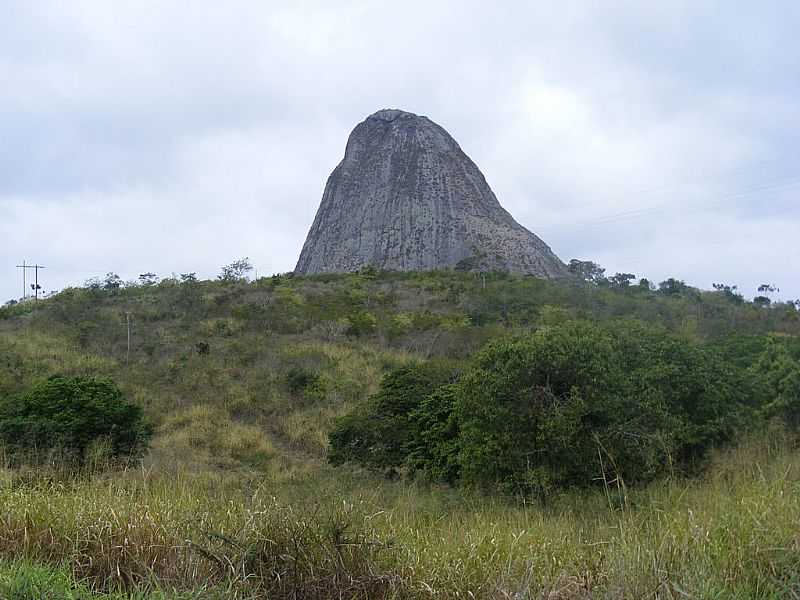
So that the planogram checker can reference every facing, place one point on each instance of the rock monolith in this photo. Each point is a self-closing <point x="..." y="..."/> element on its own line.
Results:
<point x="406" y="197"/>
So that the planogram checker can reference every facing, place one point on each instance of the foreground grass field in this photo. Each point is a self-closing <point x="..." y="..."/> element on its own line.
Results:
<point x="732" y="534"/>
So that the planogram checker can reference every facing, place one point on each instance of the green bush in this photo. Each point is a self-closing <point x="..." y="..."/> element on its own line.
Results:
<point x="434" y="443"/>
<point x="578" y="402"/>
<point x="299" y="380"/>
<point x="15" y="309"/>
<point x="361" y="323"/>
<point x="778" y="374"/>
<point x="71" y="414"/>
<point x="381" y="434"/>
<point x="571" y="404"/>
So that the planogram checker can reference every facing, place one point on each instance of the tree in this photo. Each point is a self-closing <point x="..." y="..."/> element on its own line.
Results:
<point x="94" y="284"/>
<point x="646" y="285"/>
<point x="765" y="298"/>
<point x="71" y="413"/>
<point x="762" y="301"/>
<point x="621" y="281"/>
<point x="673" y="287"/>
<point x="112" y="281"/>
<point x="587" y="270"/>
<point x="519" y="408"/>
<point x="569" y="405"/>
<point x="147" y="279"/>
<point x="189" y="277"/>
<point x="236" y="271"/>
<point x="729" y="292"/>
<point x="434" y="443"/>
<point x="361" y="323"/>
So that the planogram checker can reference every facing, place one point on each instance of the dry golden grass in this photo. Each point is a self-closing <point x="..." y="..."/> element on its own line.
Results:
<point x="203" y="435"/>
<point x="733" y="534"/>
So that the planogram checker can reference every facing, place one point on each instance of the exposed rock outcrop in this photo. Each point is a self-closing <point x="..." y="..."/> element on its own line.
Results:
<point x="406" y="197"/>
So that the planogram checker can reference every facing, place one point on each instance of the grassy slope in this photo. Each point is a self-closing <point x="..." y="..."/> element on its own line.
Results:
<point x="238" y="460"/>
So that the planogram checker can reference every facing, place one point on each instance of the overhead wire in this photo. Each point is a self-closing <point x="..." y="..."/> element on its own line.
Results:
<point x="782" y="184"/>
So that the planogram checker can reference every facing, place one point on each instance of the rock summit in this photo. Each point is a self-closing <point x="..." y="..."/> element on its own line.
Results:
<point x="406" y="197"/>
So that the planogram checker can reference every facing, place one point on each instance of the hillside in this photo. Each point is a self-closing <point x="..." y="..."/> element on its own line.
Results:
<point x="205" y="353"/>
<point x="244" y="381"/>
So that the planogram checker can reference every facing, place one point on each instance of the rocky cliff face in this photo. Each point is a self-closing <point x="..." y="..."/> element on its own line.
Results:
<point x="405" y="197"/>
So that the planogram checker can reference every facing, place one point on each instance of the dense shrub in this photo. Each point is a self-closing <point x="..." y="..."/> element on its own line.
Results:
<point x="382" y="433"/>
<point x="434" y="442"/>
<point x="299" y="379"/>
<point x="361" y="323"/>
<point x="578" y="402"/>
<point x="571" y="404"/>
<point x="778" y="374"/>
<point x="15" y="309"/>
<point x="70" y="414"/>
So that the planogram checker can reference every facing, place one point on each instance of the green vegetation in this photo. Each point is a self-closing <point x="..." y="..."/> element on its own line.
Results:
<point x="71" y="415"/>
<point x="383" y="432"/>
<point x="779" y="374"/>
<point x="730" y="534"/>
<point x="495" y="435"/>
<point x="22" y="580"/>
<point x="25" y="581"/>
<point x="570" y="404"/>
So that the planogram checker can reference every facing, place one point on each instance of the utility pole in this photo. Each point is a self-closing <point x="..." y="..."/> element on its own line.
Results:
<point x="35" y="286"/>
<point x="23" y="266"/>
<point x="36" y="270"/>
<point x="128" y="324"/>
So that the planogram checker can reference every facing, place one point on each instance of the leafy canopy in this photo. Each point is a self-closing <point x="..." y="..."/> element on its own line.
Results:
<point x="71" y="413"/>
<point x="571" y="404"/>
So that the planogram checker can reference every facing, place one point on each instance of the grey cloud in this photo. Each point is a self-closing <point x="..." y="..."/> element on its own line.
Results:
<point x="654" y="137"/>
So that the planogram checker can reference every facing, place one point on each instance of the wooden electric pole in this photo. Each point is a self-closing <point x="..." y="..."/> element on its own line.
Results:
<point x="128" y="325"/>
<point x="23" y="266"/>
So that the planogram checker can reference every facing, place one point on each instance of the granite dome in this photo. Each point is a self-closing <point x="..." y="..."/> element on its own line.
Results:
<point x="406" y="197"/>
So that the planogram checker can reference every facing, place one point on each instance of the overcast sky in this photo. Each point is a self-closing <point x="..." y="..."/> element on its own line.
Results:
<point x="659" y="138"/>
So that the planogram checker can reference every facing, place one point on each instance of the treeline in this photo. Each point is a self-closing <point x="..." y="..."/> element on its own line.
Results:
<point x="398" y="307"/>
<point x="573" y="404"/>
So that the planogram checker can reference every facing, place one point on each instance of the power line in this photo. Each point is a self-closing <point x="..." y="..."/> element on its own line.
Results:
<point x="601" y="220"/>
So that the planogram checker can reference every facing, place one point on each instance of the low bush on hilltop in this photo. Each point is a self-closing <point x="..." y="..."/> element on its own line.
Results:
<point x="571" y="404"/>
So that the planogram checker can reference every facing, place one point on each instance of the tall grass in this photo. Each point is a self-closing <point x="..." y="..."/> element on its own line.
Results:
<point x="733" y="534"/>
<point x="140" y="532"/>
